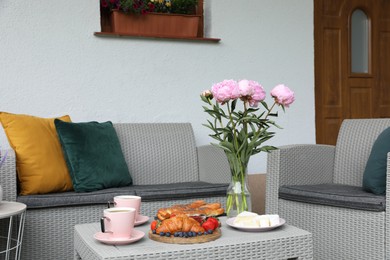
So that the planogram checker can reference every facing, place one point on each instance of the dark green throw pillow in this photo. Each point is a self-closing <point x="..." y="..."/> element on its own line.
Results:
<point x="374" y="177"/>
<point x="93" y="155"/>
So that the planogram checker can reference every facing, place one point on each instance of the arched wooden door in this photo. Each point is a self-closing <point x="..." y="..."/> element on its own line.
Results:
<point x="341" y="90"/>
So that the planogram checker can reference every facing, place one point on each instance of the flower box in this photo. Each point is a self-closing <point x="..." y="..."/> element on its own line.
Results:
<point x="155" y="24"/>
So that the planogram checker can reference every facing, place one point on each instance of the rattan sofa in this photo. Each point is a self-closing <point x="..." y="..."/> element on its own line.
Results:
<point x="166" y="167"/>
<point x="339" y="232"/>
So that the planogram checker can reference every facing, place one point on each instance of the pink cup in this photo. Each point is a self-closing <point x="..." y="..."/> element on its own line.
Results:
<point x="129" y="201"/>
<point x="118" y="221"/>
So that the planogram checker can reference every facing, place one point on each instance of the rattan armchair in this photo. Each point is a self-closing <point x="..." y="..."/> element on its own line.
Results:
<point x="338" y="232"/>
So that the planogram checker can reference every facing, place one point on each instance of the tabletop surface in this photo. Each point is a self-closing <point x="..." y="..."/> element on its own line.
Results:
<point x="230" y="237"/>
<point x="10" y="208"/>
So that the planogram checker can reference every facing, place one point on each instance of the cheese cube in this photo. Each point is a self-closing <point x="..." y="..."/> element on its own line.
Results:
<point x="274" y="220"/>
<point x="247" y="219"/>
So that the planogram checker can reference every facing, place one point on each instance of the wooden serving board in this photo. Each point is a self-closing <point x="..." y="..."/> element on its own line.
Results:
<point x="189" y="240"/>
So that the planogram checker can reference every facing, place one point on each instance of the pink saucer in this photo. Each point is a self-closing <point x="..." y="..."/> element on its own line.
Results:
<point x="141" y="220"/>
<point x="107" y="239"/>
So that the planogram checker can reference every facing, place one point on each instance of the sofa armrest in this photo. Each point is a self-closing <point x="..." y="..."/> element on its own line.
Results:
<point x="213" y="165"/>
<point x="297" y="165"/>
<point x="8" y="178"/>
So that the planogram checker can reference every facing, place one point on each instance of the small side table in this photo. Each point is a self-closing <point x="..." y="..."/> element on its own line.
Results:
<point x="13" y="214"/>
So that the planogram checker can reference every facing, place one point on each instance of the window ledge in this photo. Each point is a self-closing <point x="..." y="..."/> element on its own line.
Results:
<point x="154" y="36"/>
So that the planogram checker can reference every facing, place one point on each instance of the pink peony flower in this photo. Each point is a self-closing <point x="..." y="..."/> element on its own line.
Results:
<point x="283" y="95"/>
<point x="258" y="96"/>
<point x="225" y="91"/>
<point x="246" y="88"/>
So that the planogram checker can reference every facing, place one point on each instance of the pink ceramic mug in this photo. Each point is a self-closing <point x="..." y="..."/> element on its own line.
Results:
<point x="130" y="201"/>
<point x="118" y="221"/>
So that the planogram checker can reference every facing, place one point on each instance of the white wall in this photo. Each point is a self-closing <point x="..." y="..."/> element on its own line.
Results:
<point x="51" y="64"/>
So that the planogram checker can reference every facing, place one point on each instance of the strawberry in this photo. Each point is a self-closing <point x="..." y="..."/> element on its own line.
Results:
<point x="153" y="225"/>
<point x="214" y="221"/>
<point x="208" y="225"/>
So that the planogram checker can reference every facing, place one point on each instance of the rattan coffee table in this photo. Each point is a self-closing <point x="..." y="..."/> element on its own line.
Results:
<point x="285" y="242"/>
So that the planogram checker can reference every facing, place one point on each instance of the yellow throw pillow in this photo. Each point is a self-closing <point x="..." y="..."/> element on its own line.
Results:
<point x="40" y="162"/>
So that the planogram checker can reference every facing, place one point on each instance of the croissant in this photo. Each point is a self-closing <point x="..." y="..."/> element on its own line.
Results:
<point x="179" y="223"/>
<point x="198" y="207"/>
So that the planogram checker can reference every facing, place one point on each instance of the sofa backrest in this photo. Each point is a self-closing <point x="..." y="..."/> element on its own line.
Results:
<point x="159" y="153"/>
<point x="354" y="143"/>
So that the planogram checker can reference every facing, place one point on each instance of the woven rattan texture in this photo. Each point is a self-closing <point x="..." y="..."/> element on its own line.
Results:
<point x="353" y="148"/>
<point x="387" y="219"/>
<point x="211" y="165"/>
<point x="338" y="233"/>
<point x="287" y="242"/>
<point x="48" y="233"/>
<point x="7" y="180"/>
<point x="159" y="153"/>
<point x="297" y="165"/>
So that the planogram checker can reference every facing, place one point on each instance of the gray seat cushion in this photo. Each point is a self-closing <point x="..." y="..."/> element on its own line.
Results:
<point x="184" y="190"/>
<point x="337" y="195"/>
<point x="72" y="198"/>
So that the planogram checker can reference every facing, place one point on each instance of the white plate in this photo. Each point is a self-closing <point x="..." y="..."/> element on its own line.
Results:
<point x="230" y="222"/>
<point x="141" y="220"/>
<point x="107" y="239"/>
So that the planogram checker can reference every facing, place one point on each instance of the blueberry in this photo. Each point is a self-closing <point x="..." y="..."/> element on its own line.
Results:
<point x="194" y="234"/>
<point x="200" y="233"/>
<point x="155" y="218"/>
<point x="185" y="234"/>
<point x="205" y="233"/>
<point x="162" y="234"/>
<point x="210" y="231"/>
<point x="154" y="231"/>
<point x="176" y="234"/>
<point x="167" y="234"/>
<point x="180" y="234"/>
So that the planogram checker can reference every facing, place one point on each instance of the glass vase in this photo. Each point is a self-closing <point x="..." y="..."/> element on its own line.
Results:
<point x="238" y="196"/>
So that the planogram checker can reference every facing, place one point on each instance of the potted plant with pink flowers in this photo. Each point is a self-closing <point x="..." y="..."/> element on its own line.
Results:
<point x="241" y="129"/>
<point x="169" y="18"/>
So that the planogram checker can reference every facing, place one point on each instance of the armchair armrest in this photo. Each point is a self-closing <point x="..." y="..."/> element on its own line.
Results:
<point x="8" y="176"/>
<point x="388" y="189"/>
<point x="387" y="209"/>
<point x="297" y="165"/>
<point x="213" y="165"/>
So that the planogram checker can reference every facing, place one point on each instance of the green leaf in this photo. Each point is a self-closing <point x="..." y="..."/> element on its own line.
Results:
<point x="233" y="105"/>
<point x="268" y="148"/>
<point x="210" y="127"/>
<point x="264" y="105"/>
<point x="227" y="146"/>
<point x="252" y="110"/>
<point x="205" y="99"/>
<point x="216" y="137"/>
<point x="213" y="113"/>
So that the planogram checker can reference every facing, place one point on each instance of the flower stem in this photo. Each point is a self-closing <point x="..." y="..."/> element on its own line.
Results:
<point x="269" y="110"/>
